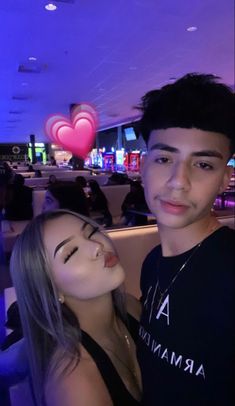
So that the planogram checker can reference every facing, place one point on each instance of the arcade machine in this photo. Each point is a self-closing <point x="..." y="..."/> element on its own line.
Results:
<point x="126" y="161"/>
<point x="134" y="161"/>
<point x="109" y="161"/>
<point x="120" y="155"/>
<point x="94" y="159"/>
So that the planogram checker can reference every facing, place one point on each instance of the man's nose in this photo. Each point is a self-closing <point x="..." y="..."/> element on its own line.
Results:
<point x="180" y="176"/>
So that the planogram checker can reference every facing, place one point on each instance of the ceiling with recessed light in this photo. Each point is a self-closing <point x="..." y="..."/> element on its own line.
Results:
<point x="108" y="53"/>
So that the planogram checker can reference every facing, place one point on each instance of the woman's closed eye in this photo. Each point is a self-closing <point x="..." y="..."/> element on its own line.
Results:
<point x="68" y="256"/>
<point x="93" y="232"/>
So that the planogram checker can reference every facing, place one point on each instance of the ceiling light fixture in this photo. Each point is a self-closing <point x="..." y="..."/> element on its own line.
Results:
<point x="50" y="7"/>
<point x="192" y="28"/>
<point x="32" y="58"/>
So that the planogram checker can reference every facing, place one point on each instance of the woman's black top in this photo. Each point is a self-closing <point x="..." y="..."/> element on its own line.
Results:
<point x="117" y="390"/>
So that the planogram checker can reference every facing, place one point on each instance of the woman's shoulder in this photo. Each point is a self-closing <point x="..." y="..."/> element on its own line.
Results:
<point x="133" y="305"/>
<point x="81" y="385"/>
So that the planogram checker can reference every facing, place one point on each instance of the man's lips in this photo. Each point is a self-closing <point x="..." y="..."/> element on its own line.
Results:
<point x="110" y="260"/>
<point x="174" y="203"/>
<point x="173" y="207"/>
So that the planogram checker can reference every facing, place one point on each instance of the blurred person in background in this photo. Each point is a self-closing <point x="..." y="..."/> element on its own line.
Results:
<point x="53" y="161"/>
<point x="135" y="200"/>
<point x="38" y="173"/>
<point x="99" y="203"/>
<point x="118" y="179"/>
<point x="19" y="200"/>
<point x="81" y="180"/>
<point x="66" y="195"/>
<point x="6" y="177"/>
<point x="52" y="179"/>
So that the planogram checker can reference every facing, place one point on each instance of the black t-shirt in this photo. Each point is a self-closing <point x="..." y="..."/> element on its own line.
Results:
<point x="186" y="347"/>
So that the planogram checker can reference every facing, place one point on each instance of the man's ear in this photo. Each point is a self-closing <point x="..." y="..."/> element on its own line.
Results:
<point x="226" y="179"/>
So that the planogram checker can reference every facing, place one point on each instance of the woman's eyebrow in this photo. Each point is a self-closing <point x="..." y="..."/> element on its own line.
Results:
<point x="68" y="239"/>
<point x="62" y="243"/>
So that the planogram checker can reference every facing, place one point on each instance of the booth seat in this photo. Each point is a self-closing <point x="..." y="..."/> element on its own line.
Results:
<point x="132" y="245"/>
<point x="115" y="196"/>
<point x="36" y="182"/>
<point x="26" y="175"/>
<point x="227" y="221"/>
<point x="65" y="173"/>
<point x="43" y="182"/>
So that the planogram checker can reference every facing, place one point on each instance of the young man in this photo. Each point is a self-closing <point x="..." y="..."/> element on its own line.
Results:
<point x="186" y="344"/>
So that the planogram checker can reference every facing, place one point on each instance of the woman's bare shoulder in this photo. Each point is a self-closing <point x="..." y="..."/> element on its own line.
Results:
<point x="133" y="305"/>
<point x="81" y="386"/>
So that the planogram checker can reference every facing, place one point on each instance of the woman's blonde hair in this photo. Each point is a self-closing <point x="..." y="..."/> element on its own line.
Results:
<point x="47" y="325"/>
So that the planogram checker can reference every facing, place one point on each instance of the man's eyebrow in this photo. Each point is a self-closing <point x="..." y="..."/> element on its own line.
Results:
<point x="164" y="147"/>
<point x="209" y="152"/>
<point x="62" y="243"/>
<point x="168" y="148"/>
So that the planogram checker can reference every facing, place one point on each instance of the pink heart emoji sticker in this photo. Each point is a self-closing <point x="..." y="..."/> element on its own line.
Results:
<point x="77" y="135"/>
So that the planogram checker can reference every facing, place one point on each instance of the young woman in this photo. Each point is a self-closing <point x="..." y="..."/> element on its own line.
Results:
<point x="80" y="340"/>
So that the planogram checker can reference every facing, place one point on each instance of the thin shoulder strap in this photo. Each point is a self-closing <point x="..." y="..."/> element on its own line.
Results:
<point x="117" y="390"/>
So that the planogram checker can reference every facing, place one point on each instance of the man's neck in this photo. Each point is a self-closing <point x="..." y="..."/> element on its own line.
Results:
<point x="177" y="241"/>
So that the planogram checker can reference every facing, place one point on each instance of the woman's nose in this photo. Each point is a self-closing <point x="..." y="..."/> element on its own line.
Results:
<point x="180" y="177"/>
<point x="96" y="249"/>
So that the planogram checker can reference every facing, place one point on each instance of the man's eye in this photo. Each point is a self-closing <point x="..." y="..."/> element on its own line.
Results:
<point x="93" y="232"/>
<point x="68" y="256"/>
<point x="205" y="165"/>
<point x="161" y="160"/>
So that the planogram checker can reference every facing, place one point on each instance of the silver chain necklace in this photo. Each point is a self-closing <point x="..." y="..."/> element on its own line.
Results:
<point x="162" y="294"/>
<point x="132" y="369"/>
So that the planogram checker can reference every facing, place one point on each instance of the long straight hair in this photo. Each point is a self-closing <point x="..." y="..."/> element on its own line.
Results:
<point x="47" y="325"/>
